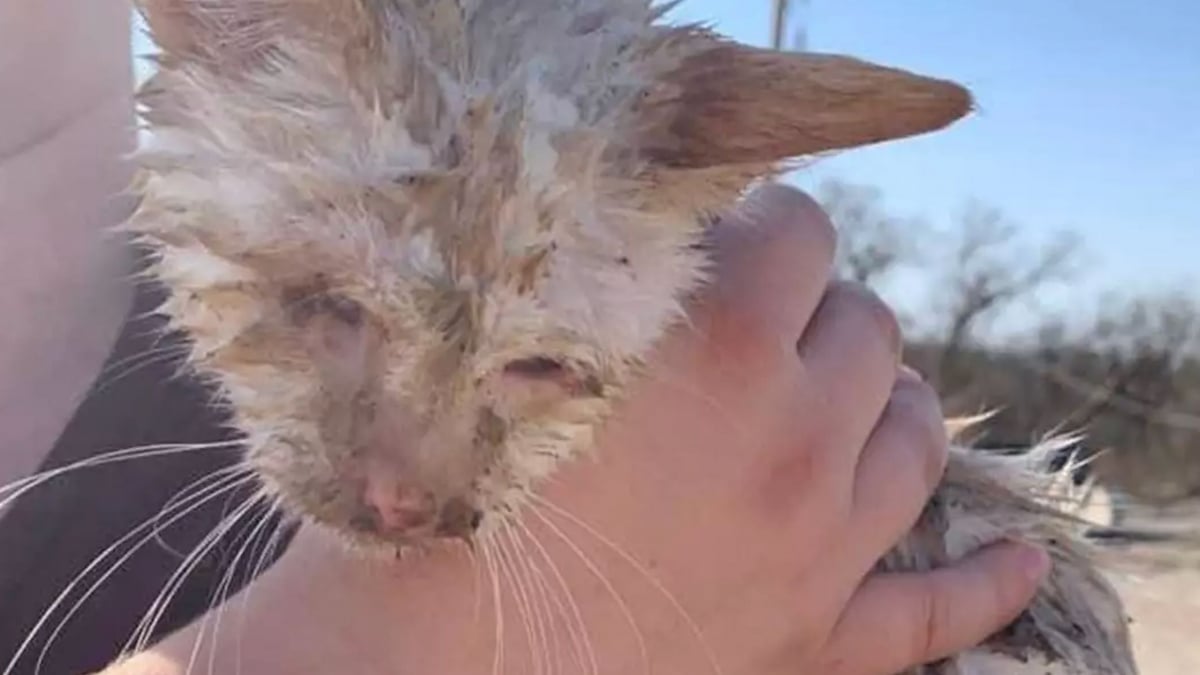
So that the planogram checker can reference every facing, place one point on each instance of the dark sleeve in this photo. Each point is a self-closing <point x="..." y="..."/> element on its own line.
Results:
<point x="53" y="533"/>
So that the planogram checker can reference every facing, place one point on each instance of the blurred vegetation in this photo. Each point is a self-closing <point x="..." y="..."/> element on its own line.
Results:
<point x="1127" y="377"/>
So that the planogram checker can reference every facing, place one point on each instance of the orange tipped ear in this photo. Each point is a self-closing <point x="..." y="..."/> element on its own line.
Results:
<point x="735" y="104"/>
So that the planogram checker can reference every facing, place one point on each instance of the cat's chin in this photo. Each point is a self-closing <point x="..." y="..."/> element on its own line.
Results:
<point x="377" y="547"/>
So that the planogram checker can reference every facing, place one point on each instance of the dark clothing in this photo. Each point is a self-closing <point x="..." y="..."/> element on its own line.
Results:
<point x="55" y="531"/>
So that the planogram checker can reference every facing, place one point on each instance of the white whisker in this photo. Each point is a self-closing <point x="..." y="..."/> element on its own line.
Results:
<point x="497" y="607"/>
<point x="222" y="594"/>
<point x="580" y="638"/>
<point x="234" y="482"/>
<point x="101" y="384"/>
<point x="526" y="579"/>
<point x="265" y="554"/>
<point x="153" y="615"/>
<point x="163" y="356"/>
<point x="612" y="591"/>
<point x="24" y="485"/>
<point x="213" y="538"/>
<point x="546" y="599"/>
<point x="641" y="569"/>
<point x="518" y="594"/>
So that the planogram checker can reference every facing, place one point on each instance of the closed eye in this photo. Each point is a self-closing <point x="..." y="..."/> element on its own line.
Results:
<point x="538" y="367"/>
<point x="303" y="306"/>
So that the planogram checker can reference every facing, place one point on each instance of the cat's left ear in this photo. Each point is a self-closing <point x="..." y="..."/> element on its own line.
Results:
<point x="728" y="103"/>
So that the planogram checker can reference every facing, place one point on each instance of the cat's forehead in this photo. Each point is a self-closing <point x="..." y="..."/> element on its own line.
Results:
<point x="561" y="150"/>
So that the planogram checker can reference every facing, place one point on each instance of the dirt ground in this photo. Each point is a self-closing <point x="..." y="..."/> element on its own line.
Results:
<point x="1160" y="582"/>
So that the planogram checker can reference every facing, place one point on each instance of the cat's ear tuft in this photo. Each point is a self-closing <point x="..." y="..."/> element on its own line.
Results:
<point x="733" y="104"/>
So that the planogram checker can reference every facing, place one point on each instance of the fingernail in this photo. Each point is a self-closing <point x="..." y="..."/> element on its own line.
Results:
<point x="1035" y="562"/>
<point x="910" y="374"/>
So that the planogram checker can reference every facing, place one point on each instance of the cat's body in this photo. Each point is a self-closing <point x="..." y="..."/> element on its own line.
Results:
<point x="421" y="247"/>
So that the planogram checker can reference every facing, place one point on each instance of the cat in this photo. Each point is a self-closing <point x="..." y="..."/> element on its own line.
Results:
<point x="421" y="247"/>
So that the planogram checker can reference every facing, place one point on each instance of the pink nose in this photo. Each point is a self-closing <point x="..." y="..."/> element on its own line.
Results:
<point x="400" y="508"/>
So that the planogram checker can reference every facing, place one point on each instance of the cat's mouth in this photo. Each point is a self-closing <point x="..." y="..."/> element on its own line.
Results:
<point x="401" y="523"/>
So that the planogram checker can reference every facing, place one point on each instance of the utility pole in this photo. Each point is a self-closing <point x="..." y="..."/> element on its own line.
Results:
<point x="778" y="20"/>
<point x="781" y="12"/>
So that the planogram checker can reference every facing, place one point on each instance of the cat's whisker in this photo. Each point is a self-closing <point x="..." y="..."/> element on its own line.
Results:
<point x="576" y="613"/>
<point x="160" y="356"/>
<point x="204" y="496"/>
<point x="631" y="560"/>
<point x="265" y="554"/>
<point x="518" y="592"/>
<point x="476" y="586"/>
<point x="551" y="608"/>
<point x="497" y="607"/>
<point x="153" y="350"/>
<point x="213" y="538"/>
<point x="622" y="605"/>
<point x="141" y="636"/>
<point x="16" y="489"/>
<point x="232" y="482"/>
<point x="550" y="595"/>
<point x="222" y="595"/>
<point x="520" y="564"/>
<point x="710" y="401"/>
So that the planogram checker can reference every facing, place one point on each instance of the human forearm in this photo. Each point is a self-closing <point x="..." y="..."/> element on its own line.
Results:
<point x="321" y="611"/>
<point x="67" y="119"/>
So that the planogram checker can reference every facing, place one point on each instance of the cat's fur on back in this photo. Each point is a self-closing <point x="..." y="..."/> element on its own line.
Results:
<point x="421" y="246"/>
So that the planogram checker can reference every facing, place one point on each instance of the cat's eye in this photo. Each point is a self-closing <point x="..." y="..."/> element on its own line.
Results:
<point x="539" y="367"/>
<point x="304" y="306"/>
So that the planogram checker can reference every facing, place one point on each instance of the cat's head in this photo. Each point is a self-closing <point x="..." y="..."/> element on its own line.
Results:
<point x="421" y="245"/>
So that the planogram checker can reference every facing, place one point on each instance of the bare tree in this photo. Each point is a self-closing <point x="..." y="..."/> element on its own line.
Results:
<point x="871" y="243"/>
<point x="987" y="273"/>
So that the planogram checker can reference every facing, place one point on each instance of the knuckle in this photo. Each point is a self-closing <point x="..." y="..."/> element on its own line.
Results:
<point x="816" y="230"/>
<point x="790" y="224"/>
<point x="856" y="298"/>
<point x="915" y="413"/>
<point x="789" y="204"/>
<point x="934" y="624"/>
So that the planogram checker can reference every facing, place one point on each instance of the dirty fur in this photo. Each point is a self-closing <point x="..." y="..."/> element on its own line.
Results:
<point x="425" y="244"/>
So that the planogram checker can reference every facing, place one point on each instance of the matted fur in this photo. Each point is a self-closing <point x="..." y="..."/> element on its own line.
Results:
<point x="432" y="240"/>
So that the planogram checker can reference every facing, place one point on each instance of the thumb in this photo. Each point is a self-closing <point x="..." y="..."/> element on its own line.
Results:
<point x="917" y="618"/>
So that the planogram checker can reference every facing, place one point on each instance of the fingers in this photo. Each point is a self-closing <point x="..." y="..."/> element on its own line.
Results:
<point x="918" y="618"/>
<point x="899" y="468"/>
<point x="848" y="359"/>
<point x="774" y="256"/>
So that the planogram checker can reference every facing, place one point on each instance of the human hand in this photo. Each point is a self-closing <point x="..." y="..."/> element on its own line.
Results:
<point x="772" y="458"/>
<point x="728" y="523"/>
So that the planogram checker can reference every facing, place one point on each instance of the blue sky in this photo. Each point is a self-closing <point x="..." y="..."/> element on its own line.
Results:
<point x="1089" y="119"/>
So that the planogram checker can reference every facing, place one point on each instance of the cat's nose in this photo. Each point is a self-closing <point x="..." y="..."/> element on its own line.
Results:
<point x="400" y="509"/>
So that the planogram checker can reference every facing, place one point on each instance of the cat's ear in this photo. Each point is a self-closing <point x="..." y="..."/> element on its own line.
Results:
<point x="733" y="104"/>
